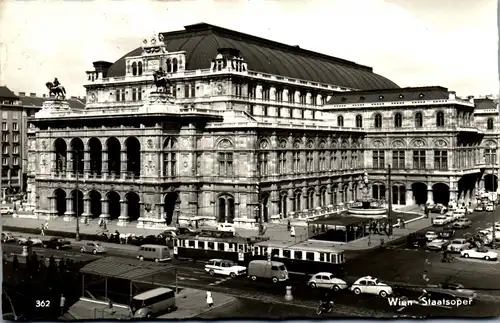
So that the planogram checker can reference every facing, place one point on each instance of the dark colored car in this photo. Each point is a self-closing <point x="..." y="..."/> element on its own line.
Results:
<point x="446" y="233"/>
<point x="416" y="241"/>
<point x="56" y="243"/>
<point x="437" y="208"/>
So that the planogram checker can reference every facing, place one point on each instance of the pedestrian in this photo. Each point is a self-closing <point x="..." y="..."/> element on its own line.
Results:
<point x="292" y="232"/>
<point x="210" y="300"/>
<point x="62" y="304"/>
<point x="46" y="226"/>
<point x="288" y="226"/>
<point x="42" y="229"/>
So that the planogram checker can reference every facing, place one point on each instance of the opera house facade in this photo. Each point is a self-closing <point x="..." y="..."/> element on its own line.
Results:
<point x="247" y="130"/>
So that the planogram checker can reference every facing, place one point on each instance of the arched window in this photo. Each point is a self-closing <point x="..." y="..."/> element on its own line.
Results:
<point x="440" y="119"/>
<point x="139" y="67"/>
<point x="169" y="157"/>
<point x="174" y="65"/>
<point x="134" y="68"/>
<point x="340" y="121"/>
<point x="297" y="201"/>
<point x="310" y="199"/>
<point x="418" y="120"/>
<point x="169" y="65"/>
<point x="490" y="124"/>
<point x="398" y="120"/>
<point x="378" y="120"/>
<point x="359" y="121"/>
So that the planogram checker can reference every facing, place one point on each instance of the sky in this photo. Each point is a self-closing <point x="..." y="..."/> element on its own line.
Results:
<point x="450" y="43"/>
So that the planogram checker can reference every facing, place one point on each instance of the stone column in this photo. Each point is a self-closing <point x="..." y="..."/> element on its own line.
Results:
<point x="430" y="198"/>
<point x="86" y="207"/>
<point x="104" y="209"/>
<point x="305" y="198"/>
<point x="123" y="162"/>
<point x="409" y="197"/>
<point x="290" y="201"/>
<point x="329" y="195"/>
<point x="53" y="206"/>
<point x="454" y="195"/>
<point x="68" y="215"/>
<point x="123" y="219"/>
<point x="317" y="197"/>
<point x="86" y="163"/>
<point x="104" y="161"/>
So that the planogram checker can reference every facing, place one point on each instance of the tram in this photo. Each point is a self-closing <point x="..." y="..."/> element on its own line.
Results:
<point x="210" y="245"/>
<point x="308" y="257"/>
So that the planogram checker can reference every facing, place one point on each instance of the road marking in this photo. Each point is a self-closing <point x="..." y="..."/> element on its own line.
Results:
<point x="402" y="308"/>
<point x="186" y="278"/>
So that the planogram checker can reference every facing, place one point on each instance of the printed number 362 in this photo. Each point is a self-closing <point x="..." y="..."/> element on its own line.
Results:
<point x="45" y="303"/>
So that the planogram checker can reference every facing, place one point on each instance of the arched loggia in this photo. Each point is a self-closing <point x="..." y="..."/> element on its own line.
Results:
<point x="113" y="148"/>
<point x="95" y="152"/>
<point x="133" y="150"/>
<point x="60" y="150"/>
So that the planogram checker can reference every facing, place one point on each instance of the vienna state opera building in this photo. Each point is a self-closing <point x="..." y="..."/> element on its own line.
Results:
<point x="249" y="130"/>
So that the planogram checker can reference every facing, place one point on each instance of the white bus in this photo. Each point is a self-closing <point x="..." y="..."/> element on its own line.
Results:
<point x="153" y="302"/>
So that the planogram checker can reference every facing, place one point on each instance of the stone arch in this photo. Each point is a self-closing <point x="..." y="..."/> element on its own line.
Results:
<point x="77" y="200"/>
<point x="95" y="152"/>
<point x="419" y="191"/>
<point x="113" y="147"/>
<point x="77" y="155"/>
<point x="264" y="144"/>
<point x="170" y="143"/>
<point x="441" y="193"/>
<point x="490" y="144"/>
<point x="225" y="208"/>
<point x="224" y="143"/>
<point x="440" y="143"/>
<point x="378" y="143"/>
<point x="323" y="196"/>
<point x="297" y="144"/>
<point x="133" y="205"/>
<point x="134" y="68"/>
<point x="418" y="142"/>
<point x="114" y="207"/>
<point x="60" y="196"/>
<point x="310" y="198"/>
<point x="283" y="143"/>
<point x="61" y="151"/>
<point x="133" y="152"/>
<point x="334" y="143"/>
<point x="322" y="144"/>
<point x="359" y="121"/>
<point x="398" y="143"/>
<point x="95" y="203"/>
<point x="310" y="143"/>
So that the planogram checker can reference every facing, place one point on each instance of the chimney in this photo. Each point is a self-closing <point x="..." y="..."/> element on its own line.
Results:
<point x="22" y="93"/>
<point x="33" y="95"/>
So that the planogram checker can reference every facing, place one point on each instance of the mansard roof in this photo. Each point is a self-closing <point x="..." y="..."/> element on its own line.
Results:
<point x="201" y="42"/>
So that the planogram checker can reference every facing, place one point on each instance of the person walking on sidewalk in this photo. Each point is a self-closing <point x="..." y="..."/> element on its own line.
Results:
<point x="210" y="300"/>
<point x="62" y="304"/>
<point x="46" y="226"/>
<point x="42" y="229"/>
<point x="292" y="232"/>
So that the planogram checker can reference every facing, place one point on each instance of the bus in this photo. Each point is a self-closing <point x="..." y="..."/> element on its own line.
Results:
<point x="308" y="257"/>
<point x="209" y="246"/>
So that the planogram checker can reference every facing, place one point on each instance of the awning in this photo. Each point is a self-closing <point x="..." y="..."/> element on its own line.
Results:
<point x="340" y="221"/>
<point x="123" y="268"/>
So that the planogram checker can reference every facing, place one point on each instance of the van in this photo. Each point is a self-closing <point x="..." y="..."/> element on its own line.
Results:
<point x="274" y="270"/>
<point x="153" y="302"/>
<point x="153" y="252"/>
<point x="6" y="210"/>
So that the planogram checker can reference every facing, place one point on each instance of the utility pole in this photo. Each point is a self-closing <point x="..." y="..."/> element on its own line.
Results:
<point x="389" y="211"/>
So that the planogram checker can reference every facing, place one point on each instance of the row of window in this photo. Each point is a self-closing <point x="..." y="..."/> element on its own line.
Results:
<point x="5" y="126"/>
<point x="122" y="94"/>
<point x="398" y="120"/>
<point x="15" y="161"/>
<point x="5" y="137"/>
<point x="284" y="112"/>
<point x="419" y="159"/>
<point x="266" y="95"/>
<point x="10" y="173"/>
<point x="15" y="150"/>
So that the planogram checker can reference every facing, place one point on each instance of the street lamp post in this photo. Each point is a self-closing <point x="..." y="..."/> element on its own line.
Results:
<point x="77" y="198"/>
<point x="493" y="234"/>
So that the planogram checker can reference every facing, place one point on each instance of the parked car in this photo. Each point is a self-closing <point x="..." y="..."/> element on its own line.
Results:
<point x="29" y="241"/>
<point x="6" y="210"/>
<point x="450" y="217"/>
<point x="371" y="285"/>
<point x="459" y="214"/>
<point x="224" y="267"/>
<point x="438" y="244"/>
<point x="446" y="233"/>
<point x="93" y="247"/>
<point x="274" y="270"/>
<point x="431" y="235"/>
<point x="479" y="208"/>
<point x="8" y="237"/>
<point x="440" y="220"/>
<point x="56" y="243"/>
<point x="326" y="280"/>
<point x="457" y="245"/>
<point x="226" y="227"/>
<point x="462" y="223"/>
<point x="479" y="253"/>
<point x="489" y="208"/>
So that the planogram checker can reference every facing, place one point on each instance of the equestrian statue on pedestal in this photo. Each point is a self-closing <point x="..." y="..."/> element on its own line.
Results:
<point x="163" y="84"/>
<point x="56" y="89"/>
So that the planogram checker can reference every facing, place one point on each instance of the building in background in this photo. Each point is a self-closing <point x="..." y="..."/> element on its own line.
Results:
<point x="14" y="113"/>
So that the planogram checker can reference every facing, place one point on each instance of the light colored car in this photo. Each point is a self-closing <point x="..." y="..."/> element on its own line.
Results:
<point x="462" y="223"/>
<point x="5" y="210"/>
<point x="490" y="230"/>
<point x="457" y="245"/>
<point x="224" y="267"/>
<point x="431" y="235"/>
<point x="479" y="208"/>
<point x="479" y="253"/>
<point x="93" y="247"/>
<point x="438" y="244"/>
<point x="489" y="208"/>
<point x="459" y="214"/>
<point x="450" y="217"/>
<point x="8" y="237"/>
<point x="34" y="241"/>
<point x="440" y="220"/>
<point x="370" y="285"/>
<point x="326" y="280"/>
<point x="226" y="227"/>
